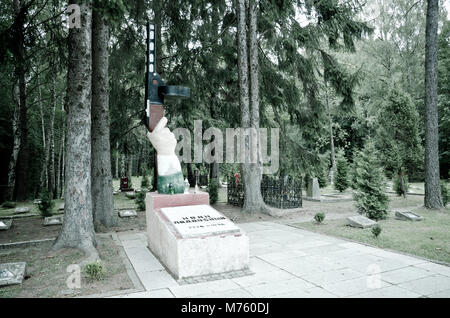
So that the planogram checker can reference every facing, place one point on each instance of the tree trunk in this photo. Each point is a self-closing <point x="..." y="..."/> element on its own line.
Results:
<point x="51" y="134"/>
<point x="433" y="198"/>
<point x="117" y="174"/>
<point x="190" y="175"/>
<point x="78" y="227"/>
<point x="59" y="172"/>
<point x="43" y="181"/>
<point x="20" y="70"/>
<point x="16" y="144"/>
<point x="249" y="96"/>
<point x="102" y="188"/>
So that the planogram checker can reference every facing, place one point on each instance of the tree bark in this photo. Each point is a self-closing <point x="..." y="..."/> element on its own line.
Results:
<point x="102" y="188"/>
<point x="16" y="144"/>
<point x="433" y="198"/>
<point x="20" y="70"/>
<point x="60" y="172"/>
<point x="51" y="134"/>
<point x="248" y="72"/>
<point x="78" y="228"/>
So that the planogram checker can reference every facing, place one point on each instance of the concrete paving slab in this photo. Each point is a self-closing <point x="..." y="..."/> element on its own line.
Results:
<point x="157" y="280"/>
<point x="428" y="285"/>
<point x="388" y="292"/>
<point x="404" y="274"/>
<point x="279" y="287"/>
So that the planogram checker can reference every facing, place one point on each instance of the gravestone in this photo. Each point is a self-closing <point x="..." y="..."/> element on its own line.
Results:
<point x="407" y="216"/>
<point x="313" y="190"/>
<point x="360" y="221"/>
<point x="21" y="210"/>
<point x="193" y="239"/>
<point x="37" y="201"/>
<point x="115" y="192"/>
<point x="61" y="207"/>
<point x="12" y="273"/>
<point x="131" y="195"/>
<point x="127" y="213"/>
<point x="5" y="224"/>
<point x="54" y="220"/>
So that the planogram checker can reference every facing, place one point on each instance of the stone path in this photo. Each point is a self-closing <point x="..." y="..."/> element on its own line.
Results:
<point x="290" y="262"/>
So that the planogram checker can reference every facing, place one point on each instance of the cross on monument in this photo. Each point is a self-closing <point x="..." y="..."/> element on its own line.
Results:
<point x="156" y="91"/>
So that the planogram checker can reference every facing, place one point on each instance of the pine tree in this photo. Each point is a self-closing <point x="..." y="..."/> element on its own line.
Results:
<point x="341" y="180"/>
<point x="370" y="195"/>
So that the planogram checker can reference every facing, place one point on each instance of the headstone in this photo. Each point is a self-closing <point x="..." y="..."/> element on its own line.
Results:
<point x="127" y="213"/>
<point x="54" y="220"/>
<point x="137" y="190"/>
<point x="193" y="239"/>
<point x="12" y="273"/>
<point x="37" y="201"/>
<point x="61" y="207"/>
<point x="131" y="195"/>
<point x="313" y="190"/>
<point x="21" y="210"/>
<point x="5" y="224"/>
<point x="360" y="221"/>
<point x="115" y="192"/>
<point x="407" y="216"/>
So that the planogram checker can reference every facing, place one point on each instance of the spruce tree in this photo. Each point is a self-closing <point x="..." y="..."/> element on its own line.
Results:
<point x="370" y="197"/>
<point x="341" y="180"/>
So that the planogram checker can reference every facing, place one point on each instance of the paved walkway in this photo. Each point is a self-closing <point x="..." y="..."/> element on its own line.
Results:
<point x="290" y="262"/>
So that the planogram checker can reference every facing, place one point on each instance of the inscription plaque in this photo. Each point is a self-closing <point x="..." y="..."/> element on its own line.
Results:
<point x="196" y="220"/>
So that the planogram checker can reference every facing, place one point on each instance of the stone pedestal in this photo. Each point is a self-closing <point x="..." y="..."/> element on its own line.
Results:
<point x="313" y="189"/>
<point x="191" y="238"/>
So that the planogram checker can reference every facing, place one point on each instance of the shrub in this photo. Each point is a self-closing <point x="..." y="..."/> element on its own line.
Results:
<point x="95" y="271"/>
<point x="341" y="179"/>
<point x="213" y="190"/>
<point x="398" y="185"/>
<point x="9" y="205"/>
<point x="145" y="181"/>
<point x="140" y="201"/>
<point x="445" y="193"/>
<point x="376" y="230"/>
<point x="319" y="217"/>
<point x="46" y="204"/>
<point x="370" y="197"/>
<point x="322" y="178"/>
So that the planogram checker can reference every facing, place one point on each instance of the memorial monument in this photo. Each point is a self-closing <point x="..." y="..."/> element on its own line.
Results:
<point x="187" y="235"/>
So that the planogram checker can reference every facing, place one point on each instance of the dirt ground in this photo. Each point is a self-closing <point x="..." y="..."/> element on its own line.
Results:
<point x="46" y="272"/>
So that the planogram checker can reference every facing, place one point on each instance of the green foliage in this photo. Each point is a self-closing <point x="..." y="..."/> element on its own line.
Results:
<point x="398" y="137"/>
<point x="213" y="190"/>
<point x="319" y="217"/>
<point x="46" y="205"/>
<point x="376" y="230"/>
<point x="140" y="201"/>
<point x="145" y="182"/>
<point x="9" y="205"/>
<point x="370" y="197"/>
<point x="322" y="176"/>
<point x="341" y="179"/>
<point x="445" y="193"/>
<point x="95" y="271"/>
<point x="397" y="184"/>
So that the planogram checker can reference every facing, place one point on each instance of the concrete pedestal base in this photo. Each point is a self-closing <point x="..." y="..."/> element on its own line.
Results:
<point x="211" y="244"/>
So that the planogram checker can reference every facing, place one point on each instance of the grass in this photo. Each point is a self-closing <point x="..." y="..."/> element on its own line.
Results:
<point x="429" y="238"/>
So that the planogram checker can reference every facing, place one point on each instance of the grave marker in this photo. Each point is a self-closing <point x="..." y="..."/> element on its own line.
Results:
<point x="407" y="216"/>
<point x="54" y="220"/>
<point x="5" y="224"/>
<point x="12" y="273"/>
<point x="21" y="210"/>
<point x="127" y="214"/>
<point x="360" y="221"/>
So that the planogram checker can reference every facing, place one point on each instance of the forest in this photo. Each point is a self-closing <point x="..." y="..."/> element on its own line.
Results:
<point x="338" y="78"/>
